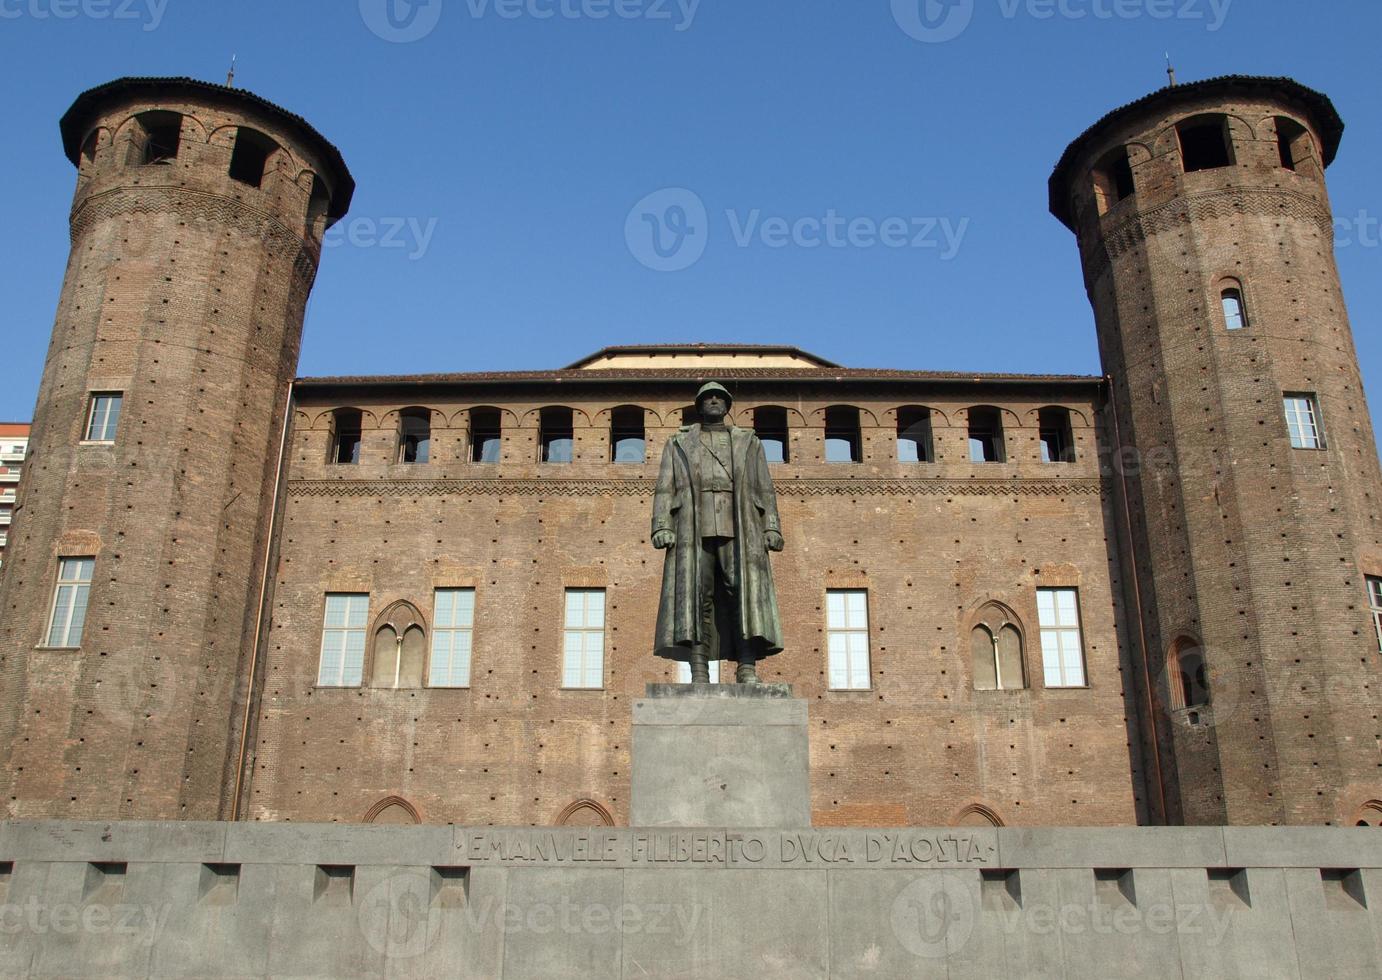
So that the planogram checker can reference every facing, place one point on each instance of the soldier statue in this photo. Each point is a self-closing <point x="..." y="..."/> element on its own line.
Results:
<point x="715" y="514"/>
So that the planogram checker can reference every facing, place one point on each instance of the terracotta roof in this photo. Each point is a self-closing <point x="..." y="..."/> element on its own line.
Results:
<point x="1317" y="106"/>
<point x="76" y="122"/>
<point x="702" y="348"/>
<point x="570" y="376"/>
<point x="14" y="428"/>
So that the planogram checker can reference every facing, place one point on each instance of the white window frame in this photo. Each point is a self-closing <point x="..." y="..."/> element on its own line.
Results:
<point x="848" y="659"/>
<point x="684" y="672"/>
<point x="583" y="669"/>
<point x="105" y="435"/>
<point x="453" y="638"/>
<point x="1375" y="605"/>
<point x="74" y="581"/>
<point x="1235" y="308"/>
<point x="349" y="671"/>
<point x="1062" y="639"/>
<point x="1303" y="420"/>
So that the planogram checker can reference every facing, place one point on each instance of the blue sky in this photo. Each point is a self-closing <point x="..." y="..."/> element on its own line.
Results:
<point x="502" y="145"/>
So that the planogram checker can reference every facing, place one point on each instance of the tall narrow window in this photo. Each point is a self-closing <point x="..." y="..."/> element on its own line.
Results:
<point x="914" y="442"/>
<point x="1205" y="143"/>
<point x="847" y="636"/>
<point x="157" y="138"/>
<point x="453" y="626"/>
<point x="318" y="208"/>
<point x="770" y="425"/>
<point x="986" y="436"/>
<point x="1292" y="142"/>
<point x="627" y="438"/>
<point x="69" y="602"/>
<point x="485" y="435"/>
<point x="1113" y="180"/>
<point x="415" y="435"/>
<point x="1062" y="652"/>
<point x="843" y="443"/>
<point x="557" y="435"/>
<point x="398" y="656"/>
<point x="1235" y="313"/>
<point x="103" y="416"/>
<point x="346" y="437"/>
<point x="250" y="158"/>
<point x="1057" y="438"/>
<point x="583" y="653"/>
<point x="343" y="640"/>
<point x="1189" y="677"/>
<point x="1303" y="421"/>
<point x="996" y="649"/>
<point x="684" y="672"/>
<point x="1375" y="604"/>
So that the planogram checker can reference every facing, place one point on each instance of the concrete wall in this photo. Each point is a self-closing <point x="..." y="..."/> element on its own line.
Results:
<point x="213" y="900"/>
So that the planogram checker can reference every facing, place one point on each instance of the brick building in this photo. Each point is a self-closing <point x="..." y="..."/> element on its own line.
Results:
<point x="14" y="444"/>
<point x="1026" y="600"/>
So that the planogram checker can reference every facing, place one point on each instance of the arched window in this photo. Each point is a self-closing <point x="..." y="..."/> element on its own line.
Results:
<point x="393" y="810"/>
<point x="556" y="435"/>
<point x="318" y="208"/>
<point x="627" y="437"/>
<point x="1235" y="311"/>
<point x="1057" y="438"/>
<point x="843" y="442"/>
<point x="415" y="435"/>
<point x="157" y="137"/>
<point x="770" y="425"/>
<point x="1189" y="676"/>
<point x="1205" y="143"/>
<point x="914" y="441"/>
<point x="486" y="432"/>
<point x="250" y="158"/>
<point x="400" y="648"/>
<point x="1292" y="142"/>
<point x="585" y="813"/>
<point x="986" y="436"/>
<point x="996" y="648"/>
<point x="1113" y="180"/>
<point x="345" y="436"/>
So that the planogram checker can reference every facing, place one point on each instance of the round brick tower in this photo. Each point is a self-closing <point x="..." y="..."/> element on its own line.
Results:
<point x="196" y="232"/>
<point x="1248" y="464"/>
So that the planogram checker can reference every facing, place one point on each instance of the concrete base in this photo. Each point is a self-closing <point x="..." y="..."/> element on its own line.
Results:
<point x="720" y="755"/>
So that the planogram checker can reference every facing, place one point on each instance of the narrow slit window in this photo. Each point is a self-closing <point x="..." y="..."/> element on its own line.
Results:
<point x="557" y="435"/>
<point x="452" y="633"/>
<point x="627" y="437"/>
<point x="1057" y="438"/>
<point x="68" y="616"/>
<point x="346" y="439"/>
<point x="1303" y="421"/>
<point x="343" y="640"/>
<point x="1062" y="651"/>
<point x="986" y="436"/>
<point x="1235" y="313"/>
<point x="847" y="637"/>
<point x="843" y="440"/>
<point x="103" y="417"/>
<point x="583" y="652"/>
<point x="914" y="440"/>
<point x="1190" y="677"/>
<point x="770" y="425"/>
<point x="486" y="433"/>
<point x="415" y="436"/>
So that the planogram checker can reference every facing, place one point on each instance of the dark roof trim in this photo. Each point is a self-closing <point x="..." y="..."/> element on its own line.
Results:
<point x="701" y="348"/>
<point x="568" y="378"/>
<point x="1317" y="106"/>
<point x="77" y="121"/>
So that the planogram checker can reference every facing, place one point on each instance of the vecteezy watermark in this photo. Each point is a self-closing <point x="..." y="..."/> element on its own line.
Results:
<point x="1099" y="919"/>
<point x="1363" y="230"/>
<point x="148" y="13"/>
<point x="933" y="916"/>
<point x="411" y="234"/>
<point x="938" y="21"/>
<point x="404" y="21"/>
<point x="401" y="918"/>
<point x="669" y="230"/>
<point x="140" y="924"/>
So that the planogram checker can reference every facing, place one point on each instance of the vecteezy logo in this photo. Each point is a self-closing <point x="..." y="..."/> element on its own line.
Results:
<point x="668" y="230"/>
<point x="396" y="916"/>
<point x="401" y="21"/>
<point x="933" y="916"/>
<point x="933" y="21"/>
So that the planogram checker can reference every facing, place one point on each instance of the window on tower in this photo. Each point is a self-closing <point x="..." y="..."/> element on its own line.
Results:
<point x="1375" y="605"/>
<point x="1235" y="311"/>
<point x="986" y="436"/>
<point x="1057" y="438"/>
<point x="1205" y="143"/>
<point x="1292" y="143"/>
<point x="486" y="432"/>
<point x="770" y="425"/>
<point x="914" y="442"/>
<point x="415" y="435"/>
<point x="68" y="614"/>
<point x="347" y="427"/>
<point x="1062" y="651"/>
<point x="157" y="137"/>
<point x="1113" y="180"/>
<point x="1189" y="677"/>
<point x="627" y="437"/>
<point x="250" y="158"/>
<point x="1303" y="421"/>
<point x="103" y="416"/>
<point x="843" y="442"/>
<point x="557" y="435"/>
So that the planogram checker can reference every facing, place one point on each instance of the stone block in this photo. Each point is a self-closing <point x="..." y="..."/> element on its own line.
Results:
<point x="1111" y="847"/>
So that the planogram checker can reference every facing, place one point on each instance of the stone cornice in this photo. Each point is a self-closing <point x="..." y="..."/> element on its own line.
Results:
<point x="643" y="488"/>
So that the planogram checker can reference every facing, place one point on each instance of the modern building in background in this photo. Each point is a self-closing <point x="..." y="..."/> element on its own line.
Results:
<point x="1146" y="598"/>
<point x="14" y="445"/>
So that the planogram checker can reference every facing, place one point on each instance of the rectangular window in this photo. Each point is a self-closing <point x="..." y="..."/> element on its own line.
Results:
<point x="843" y="440"/>
<point x="1062" y="653"/>
<point x="453" y="624"/>
<point x="558" y="436"/>
<point x="770" y="425"/>
<point x="349" y="424"/>
<point x="104" y="416"/>
<point x="1375" y="604"/>
<point x="583" y="652"/>
<point x="847" y="635"/>
<point x="69" y="602"/>
<point x="343" y="640"/>
<point x="628" y="442"/>
<point x="1303" y="421"/>
<point x="684" y="672"/>
<point x="914" y="443"/>
<point x="486" y="430"/>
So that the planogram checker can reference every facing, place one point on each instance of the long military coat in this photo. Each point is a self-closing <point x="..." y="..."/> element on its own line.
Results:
<point x="755" y="511"/>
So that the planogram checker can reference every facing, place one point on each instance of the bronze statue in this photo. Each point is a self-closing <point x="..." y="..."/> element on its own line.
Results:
<point x="715" y="514"/>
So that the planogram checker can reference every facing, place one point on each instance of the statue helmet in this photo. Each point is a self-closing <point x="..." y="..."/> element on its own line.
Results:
<point x="714" y="387"/>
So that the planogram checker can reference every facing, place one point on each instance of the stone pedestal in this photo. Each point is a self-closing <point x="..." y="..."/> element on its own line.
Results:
<point x="720" y="755"/>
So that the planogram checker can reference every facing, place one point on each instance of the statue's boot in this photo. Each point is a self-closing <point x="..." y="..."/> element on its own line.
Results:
<point x="700" y="667"/>
<point x="747" y="672"/>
